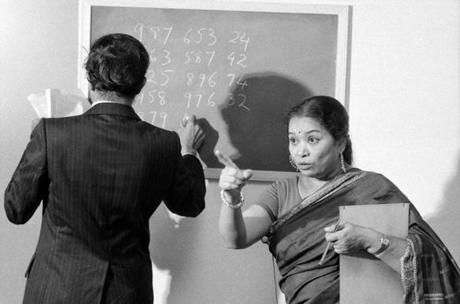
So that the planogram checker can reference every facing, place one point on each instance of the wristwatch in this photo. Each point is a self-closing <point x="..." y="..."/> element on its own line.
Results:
<point x="384" y="244"/>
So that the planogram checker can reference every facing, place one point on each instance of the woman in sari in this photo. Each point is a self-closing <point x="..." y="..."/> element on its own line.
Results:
<point x="297" y="216"/>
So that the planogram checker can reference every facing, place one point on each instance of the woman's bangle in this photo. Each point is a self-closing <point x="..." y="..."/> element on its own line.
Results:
<point x="229" y="204"/>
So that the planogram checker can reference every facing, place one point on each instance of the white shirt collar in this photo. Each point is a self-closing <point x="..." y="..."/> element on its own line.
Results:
<point x="108" y="101"/>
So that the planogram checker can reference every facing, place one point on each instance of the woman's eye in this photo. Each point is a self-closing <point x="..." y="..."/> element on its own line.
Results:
<point x="292" y="140"/>
<point x="313" y="140"/>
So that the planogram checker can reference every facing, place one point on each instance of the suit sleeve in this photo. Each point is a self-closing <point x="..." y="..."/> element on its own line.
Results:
<point x="29" y="183"/>
<point x="186" y="194"/>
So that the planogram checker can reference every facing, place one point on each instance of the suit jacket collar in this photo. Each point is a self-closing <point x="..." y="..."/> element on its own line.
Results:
<point x="112" y="109"/>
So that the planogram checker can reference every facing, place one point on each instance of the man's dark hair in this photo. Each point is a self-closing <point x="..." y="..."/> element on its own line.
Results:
<point x="117" y="63"/>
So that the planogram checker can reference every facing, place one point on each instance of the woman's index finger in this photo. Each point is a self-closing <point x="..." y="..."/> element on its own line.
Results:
<point x="225" y="160"/>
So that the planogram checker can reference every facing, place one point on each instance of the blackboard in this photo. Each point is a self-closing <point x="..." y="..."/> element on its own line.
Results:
<point x="238" y="67"/>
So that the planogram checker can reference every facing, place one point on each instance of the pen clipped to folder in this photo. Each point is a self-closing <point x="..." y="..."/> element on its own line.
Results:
<point x="329" y="244"/>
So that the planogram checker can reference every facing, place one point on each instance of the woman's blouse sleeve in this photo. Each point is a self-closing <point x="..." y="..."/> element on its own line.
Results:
<point x="269" y="200"/>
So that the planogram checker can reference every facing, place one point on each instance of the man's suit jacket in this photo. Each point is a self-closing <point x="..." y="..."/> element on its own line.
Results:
<point x="100" y="175"/>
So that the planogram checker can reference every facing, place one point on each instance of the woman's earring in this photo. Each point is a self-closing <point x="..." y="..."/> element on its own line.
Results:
<point x="342" y="164"/>
<point x="291" y="161"/>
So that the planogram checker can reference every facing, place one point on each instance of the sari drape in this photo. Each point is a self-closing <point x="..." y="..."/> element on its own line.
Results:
<point x="296" y="240"/>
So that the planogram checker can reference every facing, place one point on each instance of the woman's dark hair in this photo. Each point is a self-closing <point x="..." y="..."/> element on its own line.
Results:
<point x="117" y="63"/>
<point x="331" y="114"/>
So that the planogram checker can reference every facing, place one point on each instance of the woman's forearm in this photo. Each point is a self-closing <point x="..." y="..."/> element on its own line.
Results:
<point x="232" y="227"/>
<point x="391" y="255"/>
<point x="241" y="230"/>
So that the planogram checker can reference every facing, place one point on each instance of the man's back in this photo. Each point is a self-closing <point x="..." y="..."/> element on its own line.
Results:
<point x="101" y="176"/>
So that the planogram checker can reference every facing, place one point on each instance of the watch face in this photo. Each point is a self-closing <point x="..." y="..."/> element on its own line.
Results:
<point x="384" y="244"/>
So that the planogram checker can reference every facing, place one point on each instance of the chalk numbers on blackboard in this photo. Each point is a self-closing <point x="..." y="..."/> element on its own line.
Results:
<point x="205" y="52"/>
<point x="157" y="33"/>
<point x="238" y="59"/>
<point x="203" y="35"/>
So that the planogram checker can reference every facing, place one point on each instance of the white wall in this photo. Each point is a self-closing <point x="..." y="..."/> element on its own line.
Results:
<point x="405" y="103"/>
<point x="404" y="107"/>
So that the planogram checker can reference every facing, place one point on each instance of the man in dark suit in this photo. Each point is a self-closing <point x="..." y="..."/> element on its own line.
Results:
<point x="100" y="176"/>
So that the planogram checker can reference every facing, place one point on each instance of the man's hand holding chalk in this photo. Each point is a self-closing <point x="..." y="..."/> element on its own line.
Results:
<point x="191" y="135"/>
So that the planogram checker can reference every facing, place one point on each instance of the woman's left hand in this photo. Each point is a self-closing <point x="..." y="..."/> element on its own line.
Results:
<point x="350" y="238"/>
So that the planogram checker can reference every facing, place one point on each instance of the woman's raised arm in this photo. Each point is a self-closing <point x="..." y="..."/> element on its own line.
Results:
<point x="239" y="229"/>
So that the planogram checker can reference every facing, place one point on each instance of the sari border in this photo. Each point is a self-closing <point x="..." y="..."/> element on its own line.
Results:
<point x="318" y="196"/>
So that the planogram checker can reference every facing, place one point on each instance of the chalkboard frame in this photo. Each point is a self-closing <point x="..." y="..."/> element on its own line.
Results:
<point x="343" y="13"/>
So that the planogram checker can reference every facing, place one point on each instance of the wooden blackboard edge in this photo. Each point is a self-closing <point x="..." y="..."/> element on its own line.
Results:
<point x="343" y="53"/>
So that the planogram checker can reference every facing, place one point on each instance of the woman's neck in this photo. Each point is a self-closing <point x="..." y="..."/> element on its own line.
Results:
<point x="307" y="185"/>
